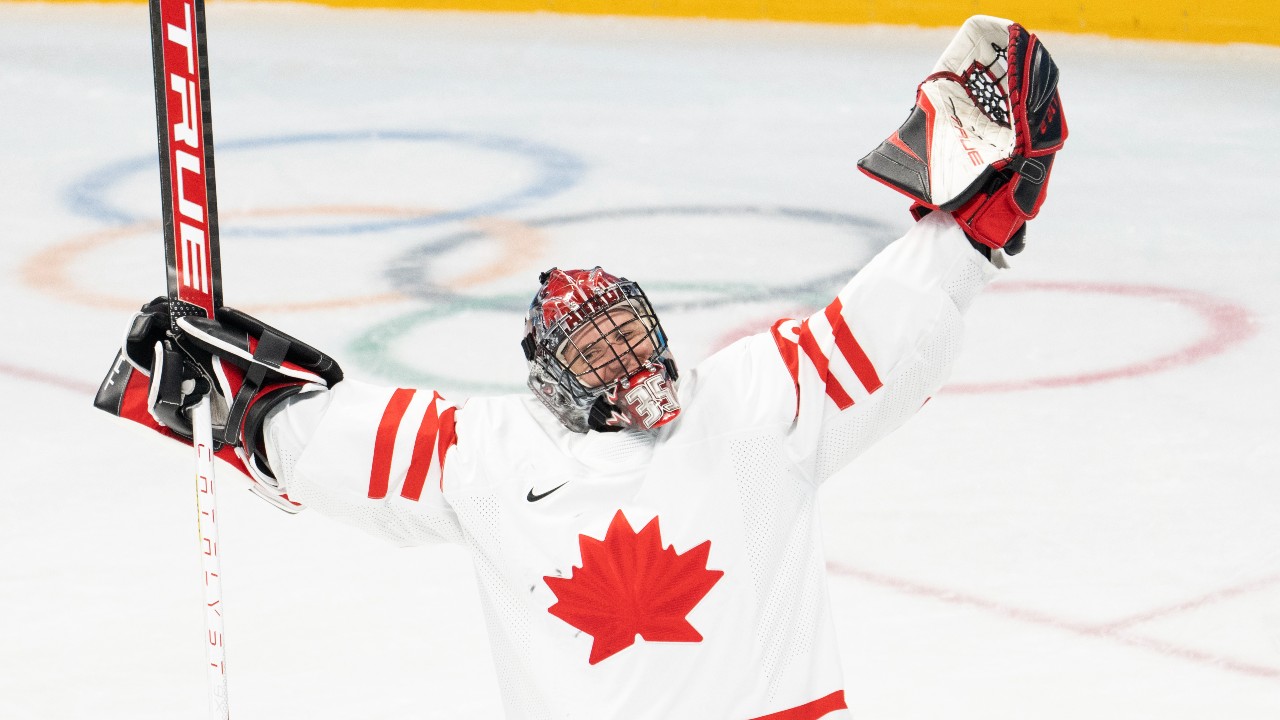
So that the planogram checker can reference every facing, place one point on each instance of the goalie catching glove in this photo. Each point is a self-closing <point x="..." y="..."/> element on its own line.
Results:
<point x="245" y="366"/>
<point x="980" y="141"/>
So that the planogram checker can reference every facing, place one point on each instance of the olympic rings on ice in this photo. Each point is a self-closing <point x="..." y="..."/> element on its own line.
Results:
<point x="50" y="270"/>
<point x="412" y="275"/>
<point x="553" y="171"/>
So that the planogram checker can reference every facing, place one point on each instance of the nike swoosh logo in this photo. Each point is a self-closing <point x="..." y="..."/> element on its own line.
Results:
<point x="536" y="498"/>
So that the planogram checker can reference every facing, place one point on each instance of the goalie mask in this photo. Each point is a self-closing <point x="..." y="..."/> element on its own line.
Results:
<point x="598" y="357"/>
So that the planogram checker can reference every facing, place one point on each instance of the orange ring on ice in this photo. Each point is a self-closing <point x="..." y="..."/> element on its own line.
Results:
<point x="48" y="269"/>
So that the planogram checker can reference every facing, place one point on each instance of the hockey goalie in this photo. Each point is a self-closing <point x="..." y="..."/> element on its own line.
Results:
<point x="646" y="536"/>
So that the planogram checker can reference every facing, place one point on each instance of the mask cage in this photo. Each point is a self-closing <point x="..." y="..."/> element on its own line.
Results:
<point x="551" y="350"/>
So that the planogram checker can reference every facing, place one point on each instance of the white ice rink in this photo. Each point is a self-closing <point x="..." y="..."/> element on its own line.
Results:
<point x="1084" y="524"/>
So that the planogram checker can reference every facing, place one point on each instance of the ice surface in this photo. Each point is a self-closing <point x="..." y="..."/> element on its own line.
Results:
<point x="1085" y="524"/>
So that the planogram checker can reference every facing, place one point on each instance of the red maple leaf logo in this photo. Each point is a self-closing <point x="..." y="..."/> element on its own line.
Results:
<point x="629" y="585"/>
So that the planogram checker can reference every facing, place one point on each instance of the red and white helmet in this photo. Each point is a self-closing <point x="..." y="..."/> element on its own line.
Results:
<point x="598" y="357"/>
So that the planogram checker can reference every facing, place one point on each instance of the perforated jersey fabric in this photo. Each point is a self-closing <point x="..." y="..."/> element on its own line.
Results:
<point x="670" y="574"/>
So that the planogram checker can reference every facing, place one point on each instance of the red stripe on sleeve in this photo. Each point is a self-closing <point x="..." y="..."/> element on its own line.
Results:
<point x="849" y="347"/>
<point x="448" y="438"/>
<point x="790" y="357"/>
<point x="385" y="443"/>
<point x="424" y="446"/>
<point x="435" y="437"/>
<point x="811" y="710"/>
<point x="834" y="389"/>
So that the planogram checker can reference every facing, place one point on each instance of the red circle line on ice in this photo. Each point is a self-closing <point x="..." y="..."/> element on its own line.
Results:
<point x="1226" y="324"/>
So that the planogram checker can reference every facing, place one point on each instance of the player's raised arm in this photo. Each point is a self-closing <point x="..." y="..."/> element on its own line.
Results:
<point x="284" y="416"/>
<point x="369" y="455"/>
<point x="870" y="359"/>
<point x="974" y="155"/>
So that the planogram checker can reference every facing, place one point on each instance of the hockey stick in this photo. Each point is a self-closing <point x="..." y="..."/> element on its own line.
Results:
<point x="184" y="133"/>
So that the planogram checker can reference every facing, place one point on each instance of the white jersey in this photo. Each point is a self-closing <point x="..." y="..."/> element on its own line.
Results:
<point x="672" y="574"/>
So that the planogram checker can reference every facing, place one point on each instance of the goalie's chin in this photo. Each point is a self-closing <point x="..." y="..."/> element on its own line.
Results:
<point x="644" y="400"/>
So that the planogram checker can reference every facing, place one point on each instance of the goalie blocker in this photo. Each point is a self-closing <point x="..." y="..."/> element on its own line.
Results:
<point x="980" y="141"/>
<point x="247" y="367"/>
